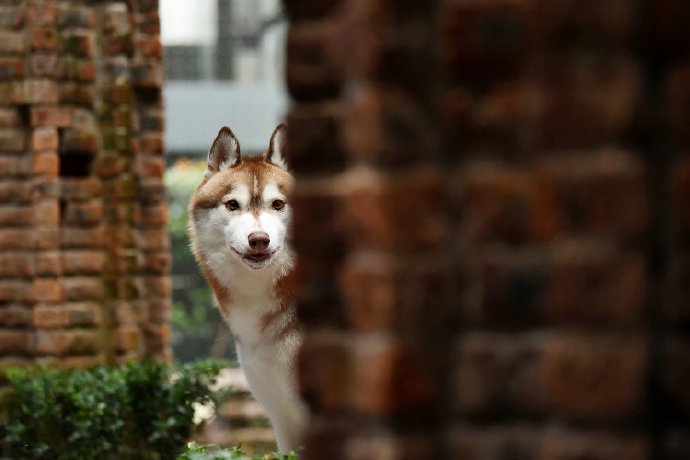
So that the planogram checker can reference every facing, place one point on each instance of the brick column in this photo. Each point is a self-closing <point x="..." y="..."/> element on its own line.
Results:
<point x="538" y="182"/>
<point x="83" y="249"/>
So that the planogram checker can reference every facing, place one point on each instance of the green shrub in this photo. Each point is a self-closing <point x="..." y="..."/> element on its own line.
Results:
<point x="197" y="452"/>
<point x="139" y="411"/>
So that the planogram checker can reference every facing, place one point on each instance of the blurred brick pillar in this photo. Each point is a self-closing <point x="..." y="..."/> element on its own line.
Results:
<point x="492" y="223"/>
<point x="83" y="252"/>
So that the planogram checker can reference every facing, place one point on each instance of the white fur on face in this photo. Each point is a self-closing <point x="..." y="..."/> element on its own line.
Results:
<point x="230" y="230"/>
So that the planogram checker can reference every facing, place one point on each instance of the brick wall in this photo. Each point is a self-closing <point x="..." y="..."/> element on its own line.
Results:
<point x="492" y="221"/>
<point x="83" y="254"/>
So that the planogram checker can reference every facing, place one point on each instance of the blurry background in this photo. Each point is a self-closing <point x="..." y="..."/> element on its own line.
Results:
<point x="224" y="66"/>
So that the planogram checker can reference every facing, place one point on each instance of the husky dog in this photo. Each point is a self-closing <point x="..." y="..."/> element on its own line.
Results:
<point x="239" y="222"/>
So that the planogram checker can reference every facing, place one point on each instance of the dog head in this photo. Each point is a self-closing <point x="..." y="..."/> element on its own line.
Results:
<point x="240" y="213"/>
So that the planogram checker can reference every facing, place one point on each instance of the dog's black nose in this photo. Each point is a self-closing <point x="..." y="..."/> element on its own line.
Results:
<point x="258" y="241"/>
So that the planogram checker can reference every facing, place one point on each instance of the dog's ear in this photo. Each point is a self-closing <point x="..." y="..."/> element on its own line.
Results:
<point x="277" y="149"/>
<point x="224" y="153"/>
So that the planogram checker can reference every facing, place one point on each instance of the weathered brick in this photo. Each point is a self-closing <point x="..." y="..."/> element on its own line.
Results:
<point x="73" y="15"/>
<point x="48" y="290"/>
<point x="73" y="342"/>
<point x="88" y="213"/>
<point x="16" y="264"/>
<point x="51" y="116"/>
<point x="595" y="378"/>
<point x="48" y="263"/>
<point x="41" y="13"/>
<point x="15" y="316"/>
<point x="10" y="117"/>
<point x="14" y="342"/>
<point x="82" y="262"/>
<point x="12" y="140"/>
<point x="12" y="16"/>
<point x="83" y="288"/>
<point x="81" y="238"/>
<point x="11" y="42"/>
<point x="43" y="39"/>
<point x="16" y="291"/>
<point x="46" y="163"/>
<point x="128" y="338"/>
<point x="15" y="216"/>
<point x="43" y="65"/>
<point x="11" y="68"/>
<point x="35" y="92"/>
<point x="15" y="239"/>
<point x="50" y="317"/>
<point x="45" y="138"/>
<point x="377" y="211"/>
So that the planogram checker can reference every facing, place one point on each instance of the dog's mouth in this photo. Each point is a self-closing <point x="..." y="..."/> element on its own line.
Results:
<point x="255" y="259"/>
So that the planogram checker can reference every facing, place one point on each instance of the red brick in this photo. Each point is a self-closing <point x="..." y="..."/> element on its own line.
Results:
<point x="48" y="264"/>
<point x="377" y="212"/>
<point x="15" y="342"/>
<point x="72" y="15"/>
<point x="586" y="102"/>
<point x="81" y="238"/>
<point x="10" y="117"/>
<point x="150" y="46"/>
<point x="11" y="68"/>
<point x="43" y="39"/>
<point x="47" y="238"/>
<point x="78" y="43"/>
<point x="151" y="216"/>
<point x="45" y="138"/>
<point x="157" y="338"/>
<point x="15" y="216"/>
<point x="12" y="16"/>
<point x="82" y="140"/>
<point x="128" y="338"/>
<point x="68" y="342"/>
<point x="467" y="442"/>
<point x="85" y="314"/>
<point x="48" y="290"/>
<point x="46" y="163"/>
<point x="15" y="316"/>
<point x="14" y="166"/>
<point x="675" y="372"/>
<point x="46" y="212"/>
<point x="51" y="116"/>
<point x="89" y="213"/>
<point x="158" y="263"/>
<point x="311" y="72"/>
<point x="313" y="130"/>
<point x="16" y="291"/>
<point x="83" y="288"/>
<point x="41" y="12"/>
<point x="597" y="445"/>
<point x="469" y="50"/>
<point x="16" y="264"/>
<point x="14" y="192"/>
<point x="325" y="372"/>
<point x="152" y="240"/>
<point x="50" y="317"/>
<point x="595" y="378"/>
<point x="82" y="262"/>
<point x="35" y="92"/>
<point x="11" y="42"/>
<point x="148" y="74"/>
<point x="43" y="65"/>
<point x="12" y="140"/>
<point x="15" y="239"/>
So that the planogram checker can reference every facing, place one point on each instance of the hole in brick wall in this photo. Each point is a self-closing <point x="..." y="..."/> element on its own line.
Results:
<point x="75" y="164"/>
<point x="63" y="209"/>
<point x="149" y="96"/>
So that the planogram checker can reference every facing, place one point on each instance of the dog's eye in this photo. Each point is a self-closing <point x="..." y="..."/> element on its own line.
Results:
<point x="278" y="205"/>
<point x="232" y="205"/>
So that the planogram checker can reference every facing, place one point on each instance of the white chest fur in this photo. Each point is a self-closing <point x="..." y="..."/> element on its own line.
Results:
<point x="268" y="359"/>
